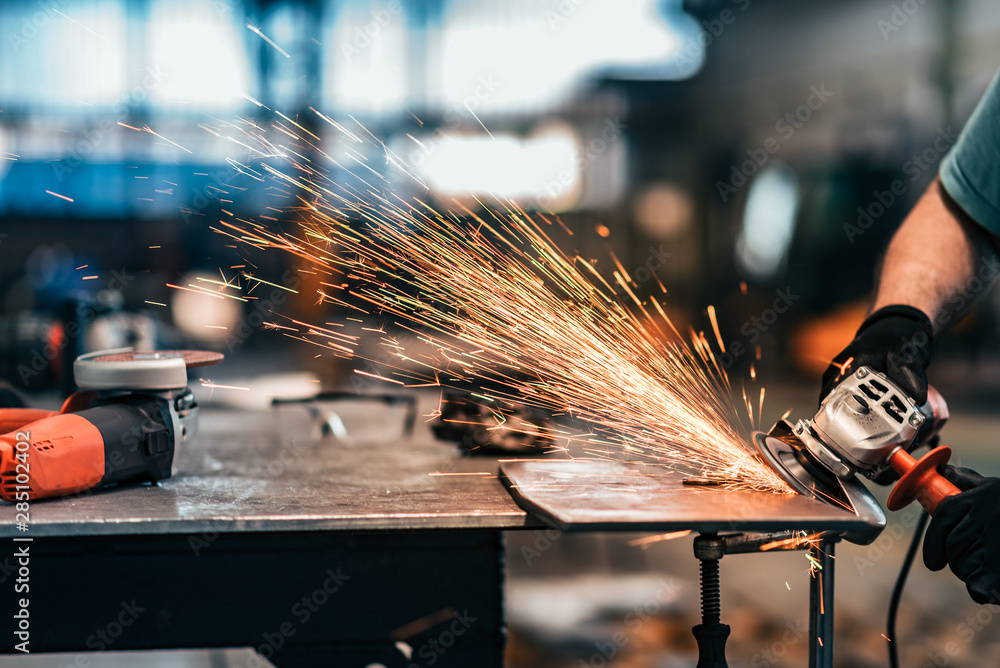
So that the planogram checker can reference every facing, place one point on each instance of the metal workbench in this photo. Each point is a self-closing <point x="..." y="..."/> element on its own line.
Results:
<point x="222" y="554"/>
<point x="309" y="549"/>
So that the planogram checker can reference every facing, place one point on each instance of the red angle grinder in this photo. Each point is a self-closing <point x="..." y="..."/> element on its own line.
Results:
<point x="132" y="411"/>
<point x="866" y="425"/>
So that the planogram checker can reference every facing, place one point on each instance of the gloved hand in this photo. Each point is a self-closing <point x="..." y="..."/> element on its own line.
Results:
<point x="895" y="340"/>
<point x="963" y="535"/>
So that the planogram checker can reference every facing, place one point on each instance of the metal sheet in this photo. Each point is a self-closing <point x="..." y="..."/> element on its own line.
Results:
<point x="243" y="472"/>
<point x="613" y="496"/>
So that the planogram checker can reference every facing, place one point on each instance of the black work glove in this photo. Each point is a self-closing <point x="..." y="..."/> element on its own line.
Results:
<point x="895" y="340"/>
<point x="963" y="534"/>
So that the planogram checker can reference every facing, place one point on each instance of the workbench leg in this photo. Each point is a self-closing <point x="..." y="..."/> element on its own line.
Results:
<point x="821" y="607"/>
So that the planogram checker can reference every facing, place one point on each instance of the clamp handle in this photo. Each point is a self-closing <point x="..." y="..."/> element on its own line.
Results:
<point x="920" y="480"/>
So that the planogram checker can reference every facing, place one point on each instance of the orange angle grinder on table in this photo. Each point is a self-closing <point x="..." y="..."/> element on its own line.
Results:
<point x="132" y="412"/>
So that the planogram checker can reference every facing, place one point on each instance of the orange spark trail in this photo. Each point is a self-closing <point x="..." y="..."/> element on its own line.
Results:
<point x="495" y="304"/>
<point x="643" y="542"/>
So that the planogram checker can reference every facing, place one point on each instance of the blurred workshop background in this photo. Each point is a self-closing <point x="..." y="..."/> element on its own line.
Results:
<point x="754" y="155"/>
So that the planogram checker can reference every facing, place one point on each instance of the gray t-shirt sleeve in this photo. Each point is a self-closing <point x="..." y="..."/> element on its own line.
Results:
<point x="971" y="170"/>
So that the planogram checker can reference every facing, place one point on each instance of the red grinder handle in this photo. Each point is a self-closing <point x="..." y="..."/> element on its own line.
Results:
<point x="920" y="480"/>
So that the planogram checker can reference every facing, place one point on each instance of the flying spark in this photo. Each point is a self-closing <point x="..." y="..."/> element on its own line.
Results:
<point x="68" y="199"/>
<point x="92" y="32"/>
<point x="842" y="369"/>
<point x="501" y="308"/>
<point x="267" y="39"/>
<point x="792" y="543"/>
<point x="214" y="386"/>
<point x="643" y="542"/>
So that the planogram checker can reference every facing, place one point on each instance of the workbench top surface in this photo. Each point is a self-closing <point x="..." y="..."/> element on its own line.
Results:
<point x="246" y="471"/>
<point x="272" y="470"/>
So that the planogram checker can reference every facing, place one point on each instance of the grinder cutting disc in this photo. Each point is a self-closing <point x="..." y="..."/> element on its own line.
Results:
<point x="127" y="369"/>
<point x="784" y="453"/>
<point x="793" y="463"/>
<point x="191" y="357"/>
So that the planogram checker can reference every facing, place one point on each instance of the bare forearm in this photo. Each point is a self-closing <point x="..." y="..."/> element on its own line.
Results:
<point x="939" y="261"/>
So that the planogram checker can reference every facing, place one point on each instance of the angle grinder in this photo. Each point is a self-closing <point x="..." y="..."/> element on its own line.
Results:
<point x="865" y="425"/>
<point x="133" y="410"/>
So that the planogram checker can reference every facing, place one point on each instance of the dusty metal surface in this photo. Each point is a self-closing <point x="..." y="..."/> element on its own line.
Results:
<point x="612" y="496"/>
<point x="251" y="471"/>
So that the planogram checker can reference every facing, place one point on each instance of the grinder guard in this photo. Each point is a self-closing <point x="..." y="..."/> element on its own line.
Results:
<point x="782" y="451"/>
